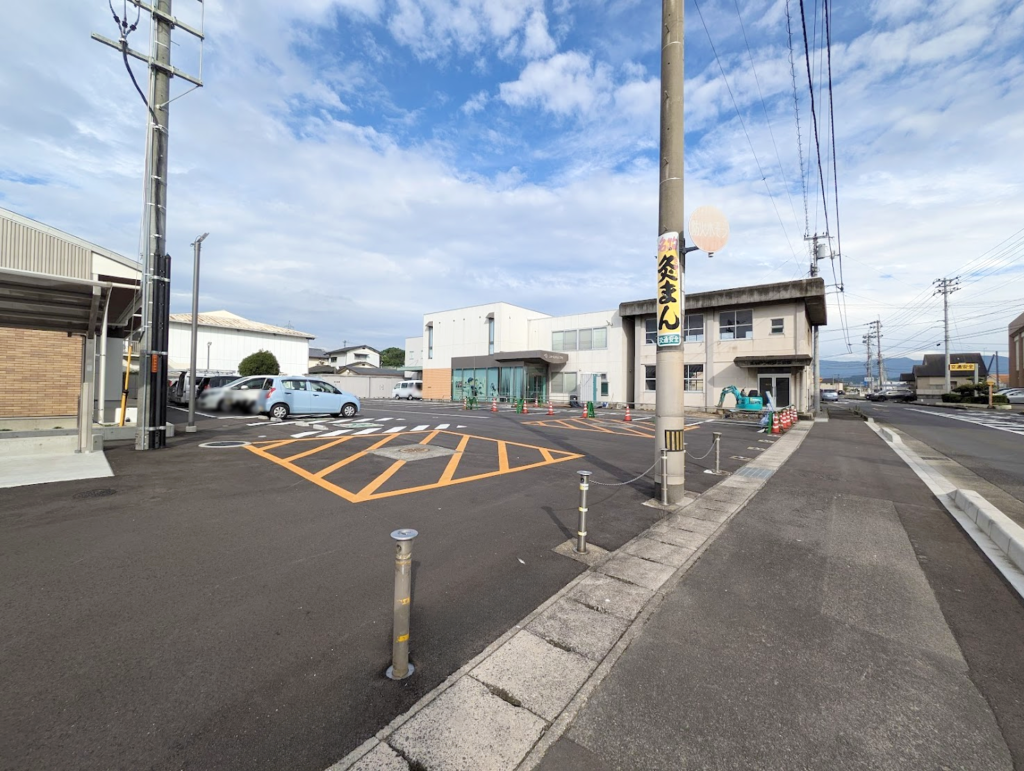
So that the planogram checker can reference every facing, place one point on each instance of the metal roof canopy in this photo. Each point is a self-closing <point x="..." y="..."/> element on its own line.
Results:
<point x="52" y="303"/>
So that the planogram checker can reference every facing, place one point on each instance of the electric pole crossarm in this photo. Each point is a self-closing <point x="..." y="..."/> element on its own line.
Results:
<point x="168" y="18"/>
<point x="170" y="70"/>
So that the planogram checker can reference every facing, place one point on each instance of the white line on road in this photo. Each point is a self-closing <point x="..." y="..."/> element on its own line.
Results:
<point x="424" y="427"/>
<point x="368" y="430"/>
<point x="443" y="425"/>
<point x="304" y="434"/>
<point x="337" y="433"/>
<point x="205" y="415"/>
<point x="434" y="414"/>
<point x="382" y="419"/>
<point x="396" y="429"/>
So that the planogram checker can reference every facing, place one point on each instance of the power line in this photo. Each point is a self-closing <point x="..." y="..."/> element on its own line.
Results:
<point x="743" y="124"/>
<point x="796" y="111"/>
<point x="814" y="114"/>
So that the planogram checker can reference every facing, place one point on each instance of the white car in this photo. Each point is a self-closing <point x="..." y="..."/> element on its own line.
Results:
<point x="1013" y="395"/>
<point x="408" y="389"/>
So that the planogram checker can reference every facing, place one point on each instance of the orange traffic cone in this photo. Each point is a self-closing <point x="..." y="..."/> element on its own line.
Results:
<point x="536" y="402"/>
<point x="584" y="411"/>
<point x="775" y="423"/>
<point x="525" y="409"/>
<point x="465" y="403"/>
<point x="629" y="417"/>
<point x="551" y="410"/>
<point x="494" y="405"/>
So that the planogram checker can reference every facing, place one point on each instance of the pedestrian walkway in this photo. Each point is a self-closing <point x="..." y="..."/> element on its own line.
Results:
<point x="808" y="636"/>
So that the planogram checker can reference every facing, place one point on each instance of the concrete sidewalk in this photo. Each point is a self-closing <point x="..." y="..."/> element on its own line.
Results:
<point x="808" y="636"/>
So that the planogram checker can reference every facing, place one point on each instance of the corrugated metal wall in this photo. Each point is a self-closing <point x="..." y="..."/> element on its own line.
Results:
<point x="25" y="248"/>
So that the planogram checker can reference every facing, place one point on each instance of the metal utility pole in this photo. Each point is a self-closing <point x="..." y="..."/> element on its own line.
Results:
<point x="946" y="287"/>
<point x="819" y="251"/>
<point x="196" y="247"/>
<point x="867" y="362"/>
<point x="671" y="264"/>
<point x="156" y="266"/>
<point x="875" y="332"/>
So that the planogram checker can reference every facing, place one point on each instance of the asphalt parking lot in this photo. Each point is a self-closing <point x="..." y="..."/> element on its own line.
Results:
<point x="231" y="607"/>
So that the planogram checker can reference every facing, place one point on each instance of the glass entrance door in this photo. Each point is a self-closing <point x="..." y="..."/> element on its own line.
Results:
<point x="779" y="386"/>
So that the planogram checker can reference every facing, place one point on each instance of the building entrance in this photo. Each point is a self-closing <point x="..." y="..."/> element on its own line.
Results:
<point x="779" y="386"/>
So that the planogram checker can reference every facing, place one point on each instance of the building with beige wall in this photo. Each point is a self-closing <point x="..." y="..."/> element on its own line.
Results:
<point x="755" y="338"/>
<point x="1016" y="339"/>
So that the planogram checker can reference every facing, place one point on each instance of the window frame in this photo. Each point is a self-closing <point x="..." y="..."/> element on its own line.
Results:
<point x="650" y="378"/>
<point x="781" y="326"/>
<point x="691" y="376"/>
<point x="651" y="330"/>
<point x="731" y="328"/>
<point x="688" y="335"/>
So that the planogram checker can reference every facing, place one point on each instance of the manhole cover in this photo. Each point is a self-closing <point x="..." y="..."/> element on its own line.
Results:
<point x="101" y="492"/>
<point x="413" y="452"/>
<point x="223" y="444"/>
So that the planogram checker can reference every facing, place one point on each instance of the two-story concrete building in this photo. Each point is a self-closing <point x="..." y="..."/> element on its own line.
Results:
<point x="353" y="356"/>
<point x="751" y="337"/>
<point x="1016" y="340"/>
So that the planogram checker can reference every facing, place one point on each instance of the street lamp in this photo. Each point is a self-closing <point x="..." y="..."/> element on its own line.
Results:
<point x="191" y="426"/>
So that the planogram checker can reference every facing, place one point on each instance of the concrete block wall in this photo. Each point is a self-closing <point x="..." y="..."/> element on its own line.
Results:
<point x="40" y="373"/>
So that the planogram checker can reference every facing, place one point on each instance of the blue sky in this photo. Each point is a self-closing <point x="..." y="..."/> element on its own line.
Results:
<point x="361" y="162"/>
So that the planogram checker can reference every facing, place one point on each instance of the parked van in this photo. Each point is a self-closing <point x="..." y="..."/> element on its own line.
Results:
<point x="408" y="389"/>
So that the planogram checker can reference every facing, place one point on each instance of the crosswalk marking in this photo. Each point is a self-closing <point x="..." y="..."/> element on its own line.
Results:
<point x="396" y="429"/>
<point x="364" y="427"/>
<point x="337" y="433"/>
<point x="421" y="428"/>
<point x="443" y="426"/>
<point x="304" y="433"/>
<point x="368" y="430"/>
<point x="381" y="420"/>
<point x="1009" y="424"/>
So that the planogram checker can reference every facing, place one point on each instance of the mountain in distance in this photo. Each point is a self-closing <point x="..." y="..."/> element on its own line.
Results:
<point x="852" y="370"/>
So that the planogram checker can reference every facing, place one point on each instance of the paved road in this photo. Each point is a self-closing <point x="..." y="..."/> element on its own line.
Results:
<point x="214" y="608"/>
<point x="989" y="444"/>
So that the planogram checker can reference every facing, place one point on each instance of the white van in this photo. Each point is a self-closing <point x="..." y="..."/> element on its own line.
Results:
<point x="408" y="389"/>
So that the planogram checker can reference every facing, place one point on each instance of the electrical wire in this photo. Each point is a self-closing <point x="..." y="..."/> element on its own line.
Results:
<point x="796" y="112"/>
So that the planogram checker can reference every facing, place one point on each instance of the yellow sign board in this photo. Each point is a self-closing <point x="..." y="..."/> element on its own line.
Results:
<point x="670" y="283"/>
<point x="961" y="367"/>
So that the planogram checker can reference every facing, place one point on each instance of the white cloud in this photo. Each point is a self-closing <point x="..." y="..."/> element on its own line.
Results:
<point x="565" y="84"/>
<point x="476" y="103"/>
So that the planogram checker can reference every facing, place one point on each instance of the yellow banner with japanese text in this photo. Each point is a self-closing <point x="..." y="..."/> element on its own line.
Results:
<point x="670" y="288"/>
<point x="961" y="367"/>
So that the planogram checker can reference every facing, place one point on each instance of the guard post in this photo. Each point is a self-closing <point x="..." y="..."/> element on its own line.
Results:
<point x="581" y="522"/>
<point x="400" y="667"/>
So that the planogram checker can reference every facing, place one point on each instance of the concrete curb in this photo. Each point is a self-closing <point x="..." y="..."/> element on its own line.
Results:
<point x="1000" y="539"/>
<point x="508" y="705"/>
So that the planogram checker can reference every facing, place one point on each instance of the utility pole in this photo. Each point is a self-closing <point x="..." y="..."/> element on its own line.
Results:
<point x="156" y="265"/>
<point x="867" y="362"/>
<point x="819" y="251"/>
<point x="946" y="287"/>
<point x="875" y="333"/>
<point x="671" y="263"/>
<point x="196" y="247"/>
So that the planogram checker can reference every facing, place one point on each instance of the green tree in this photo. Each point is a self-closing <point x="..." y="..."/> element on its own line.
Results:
<point x="393" y="358"/>
<point x="259" y="363"/>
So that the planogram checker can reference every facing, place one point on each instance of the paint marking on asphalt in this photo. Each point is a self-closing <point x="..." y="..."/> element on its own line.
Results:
<point x="396" y="429"/>
<point x="424" y="427"/>
<point x="368" y="430"/>
<point x="304" y="433"/>
<point x="383" y="419"/>
<point x="337" y="433"/>
<point x="431" y="414"/>
<point x="443" y="426"/>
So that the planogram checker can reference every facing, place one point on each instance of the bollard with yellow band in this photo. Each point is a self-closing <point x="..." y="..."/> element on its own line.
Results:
<point x="400" y="667"/>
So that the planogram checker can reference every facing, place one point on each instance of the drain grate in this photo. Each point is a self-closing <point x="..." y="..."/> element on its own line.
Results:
<point x="101" y="492"/>
<point x="754" y="473"/>
<point x="224" y="444"/>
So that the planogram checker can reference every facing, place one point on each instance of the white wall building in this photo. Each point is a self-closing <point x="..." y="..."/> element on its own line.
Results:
<point x="755" y="338"/>
<point x="354" y="356"/>
<point x="225" y="339"/>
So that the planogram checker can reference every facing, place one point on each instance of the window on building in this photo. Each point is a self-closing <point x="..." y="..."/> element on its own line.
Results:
<point x="430" y="342"/>
<point x="651" y="331"/>
<point x="604" y="385"/>
<point x="778" y="326"/>
<point x="490" y="336"/>
<point x="362" y="356"/>
<point x="693" y="377"/>
<point x="736" y="325"/>
<point x="563" y="341"/>
<point x="600" y="338"/>
<point x="693" y="328"/>
<point x="650" y="379"/>
<point x="586" y="339"/>
<point x="563" y="382"/>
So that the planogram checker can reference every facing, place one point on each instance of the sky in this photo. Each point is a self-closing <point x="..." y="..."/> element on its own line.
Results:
<point x="359" y="163"/>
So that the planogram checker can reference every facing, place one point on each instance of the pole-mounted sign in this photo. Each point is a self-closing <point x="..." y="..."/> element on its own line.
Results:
<point x="670" y="281"/>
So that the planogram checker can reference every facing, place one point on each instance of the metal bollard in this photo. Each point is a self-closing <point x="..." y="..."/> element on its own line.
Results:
<point x="718" y="442"/>
<point x="664" y="477"/>
<point x="400" y="667"/>
<point x="581" y="523"/>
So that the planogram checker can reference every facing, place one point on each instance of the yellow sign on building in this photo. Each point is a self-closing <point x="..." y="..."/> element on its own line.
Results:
<point x="961" y="367"/>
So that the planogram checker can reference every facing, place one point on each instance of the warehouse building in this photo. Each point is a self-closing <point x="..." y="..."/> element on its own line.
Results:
<point x="754" y="338"/>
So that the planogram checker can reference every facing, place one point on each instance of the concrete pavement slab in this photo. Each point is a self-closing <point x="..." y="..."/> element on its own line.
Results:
<point x="658" y="551"/>
<point x="575" y="627"/>
<point x="380" y="758"/>
<point x="610" y="595"/>
<point x="637" y="571"/>
<point x="468" y="728"/>
<point x="535" y="673"/>
<point x="686" y="522"/>
<point x="686" y="539"/>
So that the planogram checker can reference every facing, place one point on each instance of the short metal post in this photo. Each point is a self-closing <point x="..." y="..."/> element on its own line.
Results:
<point x="718" y="442"/>
<point x="664" y="477"/>
<point x="581" y="523"/>
<point x="400" y="667"/>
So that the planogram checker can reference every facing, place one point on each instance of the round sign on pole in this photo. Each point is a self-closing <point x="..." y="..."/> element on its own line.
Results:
<point x="709" y="229"/>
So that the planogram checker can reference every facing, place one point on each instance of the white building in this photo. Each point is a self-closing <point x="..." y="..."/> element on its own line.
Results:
<point x="224" y="339"/>
<point x="354" y="356"/>
<point x="755" y="338"/>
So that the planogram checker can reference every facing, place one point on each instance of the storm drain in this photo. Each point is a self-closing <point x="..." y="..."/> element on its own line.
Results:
<point x="413" y="452"/>
<point x="754" y="473"/>
<point x="224" y="444"/>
